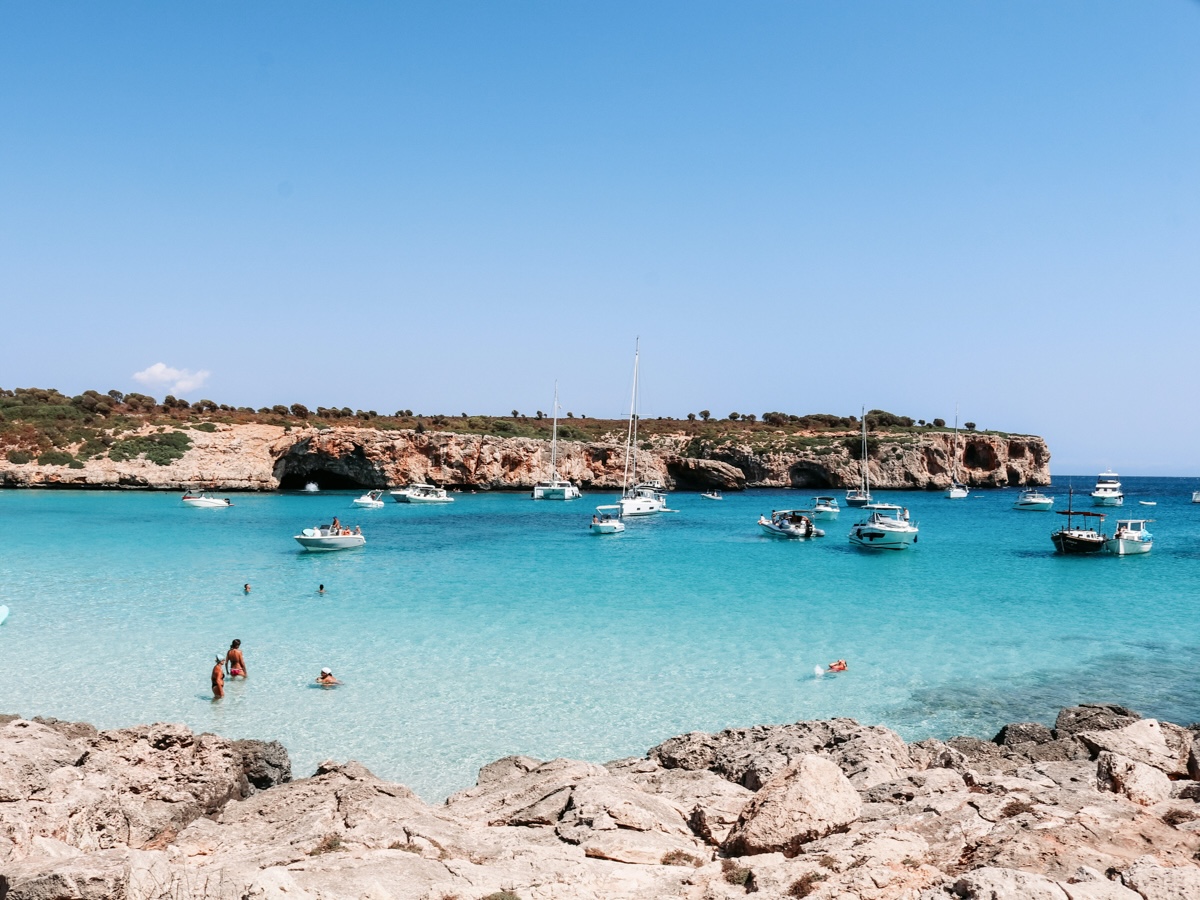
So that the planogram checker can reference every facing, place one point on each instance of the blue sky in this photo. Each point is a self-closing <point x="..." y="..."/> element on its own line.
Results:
<point x="798" y="206"/>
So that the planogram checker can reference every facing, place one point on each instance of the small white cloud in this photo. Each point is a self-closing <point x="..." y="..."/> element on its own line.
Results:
<point x="181" y="381"/>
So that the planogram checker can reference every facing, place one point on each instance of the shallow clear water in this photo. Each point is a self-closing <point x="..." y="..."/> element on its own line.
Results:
<point x="499" y="625"/>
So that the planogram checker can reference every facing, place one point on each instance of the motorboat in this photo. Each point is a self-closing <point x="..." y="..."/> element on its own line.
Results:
<point x="887" y="527"/>
<point x="205" y="501"/>
<point x="648" y="497"/>
<point x="555" y="488"/>
<point x="1131" y="538"/>
<point x="1034" y="500"/>
<point x="1196" y="496"/>
<point x="824" y="508"/>
<point x="325" y="538"/>
<point x="607" y="520"/>
<point x="789" y="523"/>
<point x="1108" y="490"/>
<point x="1085" y="539"/>
<point x="860" y="496"/>
<point x="312" y="488"/>
<point x="957" y="490"/>
<point x="421" y="493"/>
<point x="370" y="500"/>
<point x="712" y="495"/>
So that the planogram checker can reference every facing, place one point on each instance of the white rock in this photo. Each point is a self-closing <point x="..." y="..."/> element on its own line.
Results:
<point x="1143" y="784"/>
<point x="1007" y="884"/>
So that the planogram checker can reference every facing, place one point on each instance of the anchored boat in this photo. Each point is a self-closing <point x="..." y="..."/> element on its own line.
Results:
<point x="421" y="493"/>
<point x="887" y="528"/>
<point x="648" y="497"/>
<point x="370" y="500"/>
<point x="556" y="488"/>
<point x="824" y="508"/>
<point x="1131" y="538"/>
<point x="861" y="496"/>
<point x="1108" y="490"/>
<point x="326" y="537"/>
<point x="1085" y="539"/>
<point x="1035" y="500"/>
<point x="607" y="520"/>
<point x="205" y="501"/>
<point x="789" y="523"/>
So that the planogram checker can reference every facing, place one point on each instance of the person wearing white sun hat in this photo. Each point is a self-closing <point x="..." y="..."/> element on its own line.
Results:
<point x="326" y="677"/>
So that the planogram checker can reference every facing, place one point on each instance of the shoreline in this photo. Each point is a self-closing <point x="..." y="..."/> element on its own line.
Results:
<point x="1102" y="805"/>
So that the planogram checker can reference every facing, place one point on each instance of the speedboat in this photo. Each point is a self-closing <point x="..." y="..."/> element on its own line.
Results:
<point x="205" y="501"/>
<point x="789" y="523"/>
<point x="1196" y="496"/>
<point x="824" y="508"/>
<point x="607" y="520"/>
<point x="1130" y="538"/>
<point x="325" y="538"/>
<point x="1035" y="500"/>
<point x="712" y="495"/>
<point x="886" y="528"/>
<point x="1108" y="490"/>
<point x="421" y="493"/>
<point x="555" y="488"/>
<point x="312" y="488"/>
<point x="1085" y="539"/>
<point x="370" y="500"/>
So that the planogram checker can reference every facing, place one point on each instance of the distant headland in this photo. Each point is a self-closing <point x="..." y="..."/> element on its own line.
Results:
<point x="116" y="440"/>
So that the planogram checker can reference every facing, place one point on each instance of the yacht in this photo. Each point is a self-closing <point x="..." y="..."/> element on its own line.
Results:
<point x="1131" y="538"/>
<point x="1084" y="539"/>
<point x="886" y="528"/>
<point x="861" y="495"/>
<point x="555" y="488"/>
<point x="370" y="500"/>
<point x="789" y="523"/>
<point x="648" y="497"/>
<point x="205" y="501"/>
<point x="1196" y="496"/>
<point x="957" y="490"/>
<point x="825" y="508"/>
<point x="326" y="537"/>
<point x="1108" y="490"/>
<point x="421" y="493"/>
<point x="607" y="520"/>
<point x="1035" y="500"/>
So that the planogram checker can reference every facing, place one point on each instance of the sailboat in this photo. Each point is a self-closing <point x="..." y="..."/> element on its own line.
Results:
<point x="861" y="495"/>
<point x="957" y="490"/>
<point x="556" y="488"/>
<point x="637" y="499"/>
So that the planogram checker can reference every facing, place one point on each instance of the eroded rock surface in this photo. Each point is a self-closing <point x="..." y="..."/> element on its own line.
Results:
<point x="826" y="810"/>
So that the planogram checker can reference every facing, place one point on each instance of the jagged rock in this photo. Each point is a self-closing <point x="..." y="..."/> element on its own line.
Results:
<point x="1023" y="733"/>
<point x="264" y="763"/>
<point x="1145" y="741"/>
<point x="1139" y="782"/>
<point x="497" y="800"/>
<point x="1154" y="881"/>
<point x="808" y="800"/>
<point x="1092" y="717"/>
<point x="711" y="803"/>
<point x="990" y="883"/>
<point x="690" y="474"/>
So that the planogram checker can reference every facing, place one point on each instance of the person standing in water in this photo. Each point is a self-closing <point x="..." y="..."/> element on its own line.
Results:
<point x="218" y="679"/>
<point x="320" y="588"/>
<point x="235" y="662"/>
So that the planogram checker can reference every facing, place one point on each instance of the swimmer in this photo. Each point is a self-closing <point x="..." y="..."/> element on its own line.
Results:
<point x="320" y="588"/>
<point x="839" y="666"/>
<point x="218" y="679"/>
<point x="235" y="662"/>
<point x="246" y="588"/>
<point x="326" y="677"/>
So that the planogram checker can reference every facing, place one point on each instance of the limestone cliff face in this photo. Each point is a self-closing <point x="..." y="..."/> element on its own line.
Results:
<point x="266" y="457"/>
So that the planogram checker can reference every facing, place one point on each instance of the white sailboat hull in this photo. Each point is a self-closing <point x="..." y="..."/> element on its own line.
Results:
<point x="641" y="506"/>
<point x="957" y="493"/>
<point x="556" y="492"/>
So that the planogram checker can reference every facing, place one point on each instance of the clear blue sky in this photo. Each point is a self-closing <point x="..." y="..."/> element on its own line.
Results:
<point x="803" y="206"/>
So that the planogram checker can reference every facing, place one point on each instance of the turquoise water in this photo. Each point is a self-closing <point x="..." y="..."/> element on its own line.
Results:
<point x="498" y="625"/>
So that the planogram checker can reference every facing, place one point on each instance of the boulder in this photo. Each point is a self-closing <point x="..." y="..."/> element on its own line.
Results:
<point x="1144" y="741"/>
<point x="808" y="800"/>
<point x="1023" y="733"/>
<point x="264" y="763"/>
<point x="990" y="883"/>
<point x="711" y="803"/>
<point x="1155" y="881"/>
<point x="1092" y="717"/>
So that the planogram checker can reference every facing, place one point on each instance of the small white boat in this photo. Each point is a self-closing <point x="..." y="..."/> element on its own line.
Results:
<point x="712" y="495"/>
<point x="1148" y="502"/>
<point x="370" y="500"/>
<point x="312" y="488"/>
<point x="1108" y="490"/>
<point x="421" y="493"/>
<point x="886" y="528"/>
<point x="825" y="508"/>
<point x="205" y="501"/>
<point x="1035" y="500"/>
<point x="325" y="538"/>
<point x="1196" y="496"/>
<point x="607" y="520"/>
<point x="789" y="523"/>
<point x="1131" y="538"/>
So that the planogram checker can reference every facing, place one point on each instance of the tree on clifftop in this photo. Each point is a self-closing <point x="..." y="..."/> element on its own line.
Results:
<point x="704" y="414"/>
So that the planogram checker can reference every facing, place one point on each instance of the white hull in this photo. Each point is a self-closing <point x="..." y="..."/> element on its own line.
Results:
<point x="641" y="506"/>
<point x="820" y="514"/>
<point x="957" y="493"/>
<point x="1104" y="499"/>
<point x="421" y="494"/>
<point x="1126" y="547"/>
<point x="368" y="504"/>
<point x="877" y="537"/>
<point x="613" y="526"/>
<point x="1034" y="505"/>
<point x="1196" y="496"/>
<point x="789" y="531"/>
<point x="556" y="492"/>
<point x="430" y="499"/>
<point x="712" y="495"/>
<point x="206" y="502"/>
<point x="315" y="541"/>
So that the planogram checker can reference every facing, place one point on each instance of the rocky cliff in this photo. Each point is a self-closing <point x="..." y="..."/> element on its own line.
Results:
<point x="266" y="457"/>
<point x="1100" y="807"/>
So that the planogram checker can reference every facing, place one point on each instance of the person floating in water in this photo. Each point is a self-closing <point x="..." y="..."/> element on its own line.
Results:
<point x="218" y="679"/>
<point x="839" y="666"/>
<point x="320" y="588"/>
<point x="326" y="677"/>
<point x="246" y="588"/>
<point x="235" y="662"/>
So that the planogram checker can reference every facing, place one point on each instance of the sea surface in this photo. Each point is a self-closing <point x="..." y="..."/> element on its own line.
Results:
<point x="499" y="625"/>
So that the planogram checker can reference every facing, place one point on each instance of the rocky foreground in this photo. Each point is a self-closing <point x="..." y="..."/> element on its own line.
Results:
<point x="1104" y="805"/>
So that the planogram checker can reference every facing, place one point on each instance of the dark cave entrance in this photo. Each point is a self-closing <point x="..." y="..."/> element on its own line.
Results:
<point x="346" y="472"/>
<point x="326" y="479"/>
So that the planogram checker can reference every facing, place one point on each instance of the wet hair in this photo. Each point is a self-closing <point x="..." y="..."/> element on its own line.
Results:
<point x="236" y="643"/>
<point x="219" y="658"/>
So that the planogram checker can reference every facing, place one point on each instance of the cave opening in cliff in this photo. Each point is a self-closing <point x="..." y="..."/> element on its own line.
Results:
<point x="806" y="474"/>
<point x="326" y="479"/>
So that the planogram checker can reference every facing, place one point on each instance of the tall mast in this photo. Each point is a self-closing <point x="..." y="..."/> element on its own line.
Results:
<point x="866" y="472"/>
<point x="954" y="453"/>
<point x="554" y="439"/>
<point x="631" y="438"/>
